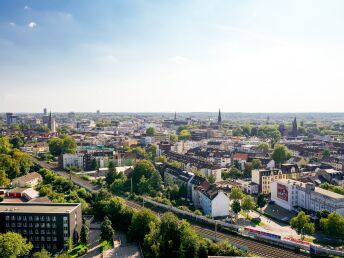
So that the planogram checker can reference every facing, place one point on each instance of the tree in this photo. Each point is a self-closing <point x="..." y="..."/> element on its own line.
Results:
<point x="236" y="208"/>
<point x="173" y="138"/>
<point x="16" y="142"/>
<point x="236" y="194"/>
<point x="23" y="160"/>
<point x="280" y="154"/>
<point x="5" y="145"/>
<point x="184" y="134"/>
<point x="84" y="233"/>
<point x="333" y="225"/>
<point x="69" y="145"/>
<point x="140" y="222"/>
<point x="247" y="203"/>
<point x="94" y="164"/>
<point x="9" y="165"/>
<point x="42" y="254"/>
<point x="107" y="231"/>
<point x="263" y="146"/>
<point x="150" y="131"/>
<point x="13" y="245"/>
<point x="256" y="164"/>
<point x="142" y="168"/>
<point x="55" y="146"/>
<point x="235" y="173"/>
<point x="302" y="224"/>
<point x="248" y="170"/>
<point x="326" y="153"/>
<point x="112" y="174"/>
<point x="211" y="179"/>
<point x="261" y="202"/>
<point x="155" y="181"/>
<point x="4" y="181"/>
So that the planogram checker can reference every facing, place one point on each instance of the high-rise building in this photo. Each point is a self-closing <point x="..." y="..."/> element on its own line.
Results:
<point x="52" y="124"/>
<point x="45" y="225"/>
<point x="10" y="119"/>
<point x="45" y="112"/>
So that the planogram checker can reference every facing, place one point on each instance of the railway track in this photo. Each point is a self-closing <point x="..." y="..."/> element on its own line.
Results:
<point x="254" y="247"/>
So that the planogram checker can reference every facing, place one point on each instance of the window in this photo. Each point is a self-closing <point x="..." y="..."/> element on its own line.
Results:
<point x="19" y="218"/>
<point x="30" y="225"/>
<point x="36" y="225"/>
<point x="42" y="225"/>
<point x="36" y="232"/>
<point x="13" y="225"/>
<point x="42" y="238"/>
<point x="53" y="218"/>
<point x="42" y="218"/>
<point x="30" y="218"/>
<point x="36" y="218"/>
<point x="13" y="217"/>
<point x="7" y="224"/>
<point x="7" y="218"/>
<point x="19" y="224"/>
<point x="42" y="231"/>
<point x="54" y="225"/>
<point x="24" y="224"/>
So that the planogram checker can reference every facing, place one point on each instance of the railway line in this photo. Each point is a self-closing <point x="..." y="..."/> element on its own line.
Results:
<point x="257" y="248"/>
<point x="254" y="247"/>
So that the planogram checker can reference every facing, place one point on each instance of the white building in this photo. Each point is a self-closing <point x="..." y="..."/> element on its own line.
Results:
<point x="214" y="202"/>
<point x="29" y="180"/>
<point x="73" y="160"/>
<point x="291" y="194"/>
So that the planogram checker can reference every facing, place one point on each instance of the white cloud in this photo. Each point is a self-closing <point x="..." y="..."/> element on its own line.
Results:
<point x="112" y="59"/>
<point x="32" y="25"/>
<point x="179" y="60"/>
<point x="12" y="24"/>
<point x="26" y="7"/>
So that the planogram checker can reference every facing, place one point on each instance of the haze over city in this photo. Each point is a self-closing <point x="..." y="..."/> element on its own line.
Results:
<point x="166" y="56"/>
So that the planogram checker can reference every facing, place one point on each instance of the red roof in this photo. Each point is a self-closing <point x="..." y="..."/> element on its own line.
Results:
<point x="241" y="156"/>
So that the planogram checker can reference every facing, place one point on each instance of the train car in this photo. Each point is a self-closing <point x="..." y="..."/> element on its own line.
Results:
<point x="256" y="232"/>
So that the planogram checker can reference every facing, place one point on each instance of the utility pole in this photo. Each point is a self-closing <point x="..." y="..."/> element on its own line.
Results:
<point x="131" y="185"/>
<point x="215" y="230"/>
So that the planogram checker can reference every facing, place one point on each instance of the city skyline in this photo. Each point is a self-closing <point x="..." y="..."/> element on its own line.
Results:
<point x="194" y="56"/>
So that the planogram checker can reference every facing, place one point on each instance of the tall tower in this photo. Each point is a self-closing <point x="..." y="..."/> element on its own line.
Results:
<point x="45" y="111"/>
<point x="219" y="118"/>
<point x="294" y="130"/>
<point x="52" y="123"/>
<point x="175" y="116"/>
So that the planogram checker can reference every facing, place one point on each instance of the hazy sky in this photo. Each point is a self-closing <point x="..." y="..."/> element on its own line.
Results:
<point x="197" y="55"/>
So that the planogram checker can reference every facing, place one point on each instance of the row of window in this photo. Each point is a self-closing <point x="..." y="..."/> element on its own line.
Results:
<point x="42" y="238"/>
<point x="47" y="246"/>
<point x="36" y="232"/>
<point x="31" y="218"/>
<point x="30" y="225"/>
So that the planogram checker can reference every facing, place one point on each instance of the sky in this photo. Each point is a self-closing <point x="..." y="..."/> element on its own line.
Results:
<point x="172" y="55"/>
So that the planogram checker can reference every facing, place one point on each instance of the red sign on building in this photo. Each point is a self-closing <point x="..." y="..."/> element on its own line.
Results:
<point x="282" y="192"/>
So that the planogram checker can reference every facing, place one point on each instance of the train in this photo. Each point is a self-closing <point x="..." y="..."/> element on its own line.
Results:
<point x="256" y="232"/>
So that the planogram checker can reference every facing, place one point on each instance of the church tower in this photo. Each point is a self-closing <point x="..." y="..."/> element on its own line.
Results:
<point x="219" y="118"/>
<point x="294" y="130"/>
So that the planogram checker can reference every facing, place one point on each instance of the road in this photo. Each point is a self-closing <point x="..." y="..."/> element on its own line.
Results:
<point x="254" y="247"/>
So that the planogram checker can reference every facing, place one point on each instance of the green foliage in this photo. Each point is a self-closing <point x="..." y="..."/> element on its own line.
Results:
<point x="256" y="164"/>
<point x="280" y="154"/>
<point x="62" y="145"/>
<point x="247" y="203"/>
<point x="302" y="224"/>
<point x="107" y="231"/>
<point x="84" y="233"/>
<point x="94" y="164"/>
<point x="13" y="245"/>
<point x="16" y="142"/>
<point x="333" y="188"/>
<point x="326" y="153"/>
<point x="173" y="138"/>
<point x="236" y="194"/>
<point x="233" y="173"/>
<point x="184" y="135"/>
<point x="211" y="179"/>
<point x="4" y="181"/>
<point x="5" y="145"/>
<point x="333" y="225"/>
<point x="150" y="131"/>
<point x="140" y="222"/>
<point x="146" y="178"/>
<point x="263" y="146"/>
<point x="261" y="202"/>
<point x="42" y="254"/>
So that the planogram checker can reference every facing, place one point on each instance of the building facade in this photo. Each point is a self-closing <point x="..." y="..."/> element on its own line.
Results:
<point x="45" y="225"/>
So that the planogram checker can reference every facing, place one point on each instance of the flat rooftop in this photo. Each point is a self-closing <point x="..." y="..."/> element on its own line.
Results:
<point x="317" y="189"/>
<point x="38" y="207"/>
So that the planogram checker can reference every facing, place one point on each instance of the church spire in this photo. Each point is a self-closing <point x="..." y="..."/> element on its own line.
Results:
<point x="175" y="116"/>
<point x="219" y="118"/>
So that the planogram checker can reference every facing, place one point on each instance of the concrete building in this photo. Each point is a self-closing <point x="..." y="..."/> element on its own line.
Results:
<point x="291" y="194"/>
<point x="264" y="177"/>
<point x="214" y="202"/>
<point x="29" y="180"/>
<point x="72" y="160"/>
<point x="45" y="225"/>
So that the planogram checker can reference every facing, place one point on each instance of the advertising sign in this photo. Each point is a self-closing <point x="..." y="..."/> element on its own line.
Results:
<point x="282" y="192"/>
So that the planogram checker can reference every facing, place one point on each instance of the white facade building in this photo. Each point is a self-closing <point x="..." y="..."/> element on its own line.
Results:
<point x="290" y="194"/>
<point x="73" y="160"/>
<point x="214" y="203"/>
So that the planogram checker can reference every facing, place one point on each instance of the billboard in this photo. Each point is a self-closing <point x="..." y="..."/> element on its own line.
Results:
<point x="282" y="192"/>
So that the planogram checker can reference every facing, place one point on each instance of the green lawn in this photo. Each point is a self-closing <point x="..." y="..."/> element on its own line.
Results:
<point x="78" y="250"/>
<point x="105" y="245"/>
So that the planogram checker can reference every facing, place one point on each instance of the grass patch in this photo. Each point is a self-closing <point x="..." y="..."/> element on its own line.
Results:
<point x="256" y="221"/>
<point x="78" y="250"/>
<point x="105" y="245"/>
